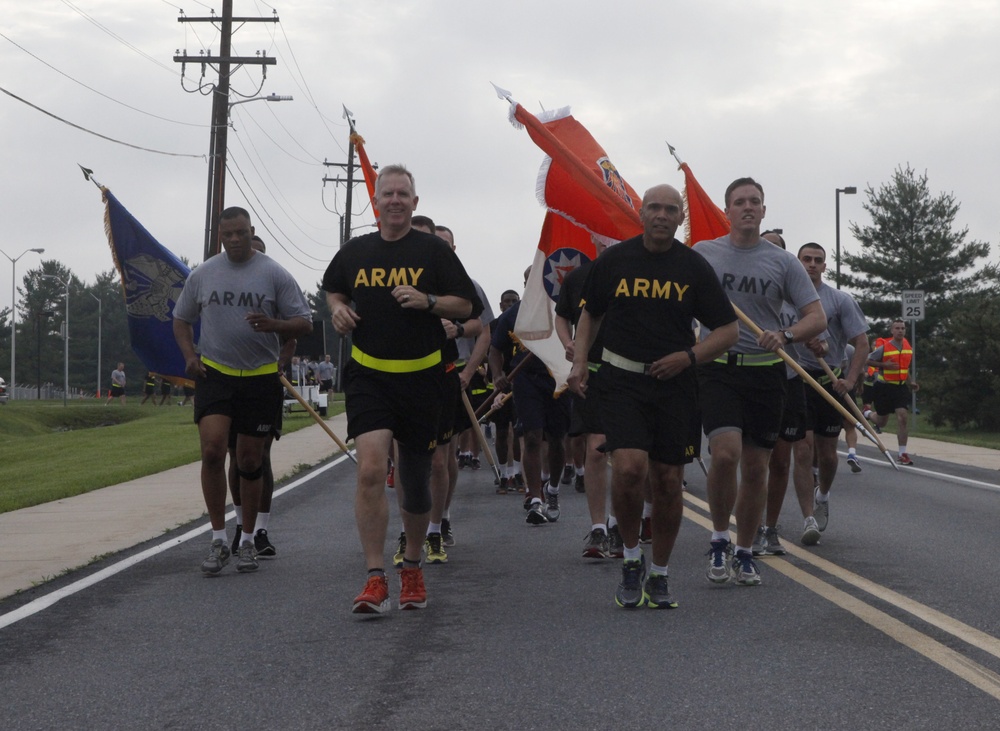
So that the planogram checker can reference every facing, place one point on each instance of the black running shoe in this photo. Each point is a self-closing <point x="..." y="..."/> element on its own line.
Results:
<point x="629" y="593"/>
<point x="263" y="546"/>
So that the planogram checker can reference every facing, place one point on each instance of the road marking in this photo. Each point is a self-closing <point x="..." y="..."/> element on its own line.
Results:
<point x="970" y="671"/>
<point x="44" y="602"/>
<point x="930" y="473"/>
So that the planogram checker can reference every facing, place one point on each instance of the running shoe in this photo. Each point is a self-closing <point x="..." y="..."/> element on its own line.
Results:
<point x="247" y="559"/>
<point x="745" y="571"/>
<point x="656" y="593"/>
<point x="646" y="530"/>
<point x="629" y="593"/>
<point x="374" y="598"/>
<point x="904" y="459"/>
<point x="218" y="556"/>
<point x="527" y="501"/>
<point x="519" y="482"/>
<point x="263" y="546"/>
<point x="810" y="533"/>
<point x="434" y="550"/>
<point x="397" y="559"/>
<point x="447" y="537"/>
<point x="759" y="547"/>
<point x="596" y="544"/>
<point x="720" y="555"/>
<point x="772" y="544"/>
<point x="567" y="475"/>
<point x="236" y="540"/>
<point x="821" y="511"/>
<point x="464" y="460"/>
<point x="551" y="506"/>
<point x="616" y="546"/>
<point x="580" y="486"/>
<point x="412" y="593"/>
<point x="536" y="514"/>
<point x="390" y="477"/>
<point x="853" y="463"/>
<point x="502" y="487"/>
<point x="475" y="463"/>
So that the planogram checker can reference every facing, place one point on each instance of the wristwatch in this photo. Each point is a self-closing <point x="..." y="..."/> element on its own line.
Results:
<point x="789" y="337"/>
<point x="431" y="302"/>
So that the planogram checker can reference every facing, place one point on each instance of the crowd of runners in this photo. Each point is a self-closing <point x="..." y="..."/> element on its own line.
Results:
<point x="734" y="350"/>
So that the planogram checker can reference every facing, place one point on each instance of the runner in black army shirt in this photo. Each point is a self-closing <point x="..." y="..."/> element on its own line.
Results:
<point x="402" y="282"/>
<point x="646" y="291"/>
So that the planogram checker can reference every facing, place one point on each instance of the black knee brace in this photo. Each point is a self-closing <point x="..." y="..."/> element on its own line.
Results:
<point x="415" y="475"/>
<point x="255" y="474"/>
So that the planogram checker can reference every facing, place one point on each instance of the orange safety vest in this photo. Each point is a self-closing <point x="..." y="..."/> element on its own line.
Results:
<point x="901" y="357"/>
<point x="872" y="372"/>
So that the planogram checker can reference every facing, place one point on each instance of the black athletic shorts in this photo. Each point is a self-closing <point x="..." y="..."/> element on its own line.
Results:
<point x="793" y="417"/>
<point x="889" y="397"/>
<point x="537" y="408"/>
<point x="407" y="404"/>
<point x="451" y="407"/>
<point x="165" y="388"/>
<point x="659" y="417"/>
<point x="117" y="390"/>
<point x="506" y="415"/>
<point x="252" y="402"/>
<point x="748" y="399"/>
<point x="823" y="419"/>
<point x="585" y="416"/>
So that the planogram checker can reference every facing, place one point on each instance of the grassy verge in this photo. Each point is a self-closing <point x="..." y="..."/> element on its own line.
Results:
<point x="49" y="452"/>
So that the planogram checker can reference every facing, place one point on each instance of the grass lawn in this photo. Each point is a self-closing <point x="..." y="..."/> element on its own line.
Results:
<point x="49" y="451"/>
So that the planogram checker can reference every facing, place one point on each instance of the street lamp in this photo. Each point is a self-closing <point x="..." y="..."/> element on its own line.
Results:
<point x="849" y="190"/>
<point x="65" y="336"/>
<point x="217" y="167"/>
<point x="100" y="309"/>
<point x="38" y="350"/>
<point x="13" y="313"/>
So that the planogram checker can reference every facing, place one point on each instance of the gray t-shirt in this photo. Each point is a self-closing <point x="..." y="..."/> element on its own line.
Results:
<point x="465" y="345"/>
<point x="844" y="322"/>
<point x="324" y="371"/>
<point x="757" y="280"/>
<point x="118" y="378"/>
<point x="222" y="293"/>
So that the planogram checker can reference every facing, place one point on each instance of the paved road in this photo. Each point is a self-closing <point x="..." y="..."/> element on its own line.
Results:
<point x="890" y="623"/>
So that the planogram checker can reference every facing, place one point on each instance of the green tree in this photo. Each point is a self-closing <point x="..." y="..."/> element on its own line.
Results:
<point x="912" y="243"/>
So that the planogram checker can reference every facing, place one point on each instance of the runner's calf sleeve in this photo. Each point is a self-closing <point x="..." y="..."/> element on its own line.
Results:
<point x="414" y="469"/>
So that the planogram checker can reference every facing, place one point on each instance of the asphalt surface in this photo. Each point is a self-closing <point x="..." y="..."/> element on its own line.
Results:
<point x="889" y="623"/>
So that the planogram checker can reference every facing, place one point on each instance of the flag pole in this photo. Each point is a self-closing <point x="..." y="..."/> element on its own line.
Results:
<point x="483" y="444"/>
<point x="857" y="412"/>
<point x="755" y="329"/>
<point x="319" y="419"/>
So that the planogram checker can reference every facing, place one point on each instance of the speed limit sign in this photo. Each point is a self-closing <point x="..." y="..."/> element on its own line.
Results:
<point x="913" y="304"/>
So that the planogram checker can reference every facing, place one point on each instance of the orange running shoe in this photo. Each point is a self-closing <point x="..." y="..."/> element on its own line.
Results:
<point x="390" y="477"/>
<point x="374" y="598"/>
<point x="412" y="593"/>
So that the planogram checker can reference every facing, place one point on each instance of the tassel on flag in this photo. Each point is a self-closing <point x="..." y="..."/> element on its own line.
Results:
<point x="703" y="220"/>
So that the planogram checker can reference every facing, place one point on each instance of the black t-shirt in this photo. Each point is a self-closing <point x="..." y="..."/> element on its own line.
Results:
<point x="649" y="300"/>
<point x="502" y="338"/>
<point x="368" y="268"/>
<point x="571" y="303"/>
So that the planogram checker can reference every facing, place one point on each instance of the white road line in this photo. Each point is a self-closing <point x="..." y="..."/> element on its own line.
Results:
<point x="44" y="602"/>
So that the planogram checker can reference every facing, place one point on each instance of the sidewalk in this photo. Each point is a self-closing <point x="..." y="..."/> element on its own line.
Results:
<point x="70" y="533"/>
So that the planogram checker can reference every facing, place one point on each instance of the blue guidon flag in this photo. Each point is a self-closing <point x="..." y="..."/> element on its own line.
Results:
<point x="152" y="279"/>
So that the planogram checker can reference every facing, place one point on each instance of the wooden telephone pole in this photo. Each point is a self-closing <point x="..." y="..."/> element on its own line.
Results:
<point x="220" y="109"/>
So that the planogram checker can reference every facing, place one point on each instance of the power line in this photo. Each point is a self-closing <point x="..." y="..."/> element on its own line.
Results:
<point x="96" y="134"/>
<point x="99" y="93"/>
<point x="118" y="38"/>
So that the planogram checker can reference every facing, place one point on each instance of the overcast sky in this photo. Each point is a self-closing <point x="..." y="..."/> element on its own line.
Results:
<point x="806" y="97"/>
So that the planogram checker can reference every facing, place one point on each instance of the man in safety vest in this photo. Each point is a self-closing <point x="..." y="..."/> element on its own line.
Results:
<point x="893" y="384"/>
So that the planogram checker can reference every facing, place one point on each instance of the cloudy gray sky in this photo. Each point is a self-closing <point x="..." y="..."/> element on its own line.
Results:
<point x="806" y="97"/>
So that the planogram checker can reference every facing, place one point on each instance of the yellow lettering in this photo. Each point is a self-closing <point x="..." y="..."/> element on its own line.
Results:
<point x="642" y="287"/>
<point x="415" y="276"/>
<point x="396" y="277"/>
<point x="378" y="277"/>
<point x="681" y="290"/>
<point x="622" y="290"/>
<point x="362" y="279"/>
<point x="661" y="290"/>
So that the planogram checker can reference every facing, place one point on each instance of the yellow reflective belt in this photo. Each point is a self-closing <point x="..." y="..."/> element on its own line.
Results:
<point x="387" y="365"/>
<point x="259" y="371"/>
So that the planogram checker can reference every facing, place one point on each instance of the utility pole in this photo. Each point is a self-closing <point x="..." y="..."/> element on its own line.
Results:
<point x="345" y="229"/>
<point x="220" y="108"/>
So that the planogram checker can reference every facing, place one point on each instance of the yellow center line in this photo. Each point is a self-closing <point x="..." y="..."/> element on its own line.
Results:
<point x="970" y="671"/>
